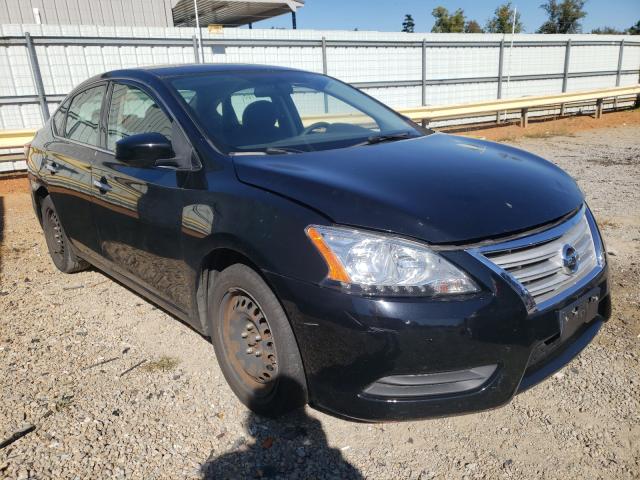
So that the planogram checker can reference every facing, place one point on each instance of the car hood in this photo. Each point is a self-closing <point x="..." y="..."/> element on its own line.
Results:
<point x="439" y="188"/>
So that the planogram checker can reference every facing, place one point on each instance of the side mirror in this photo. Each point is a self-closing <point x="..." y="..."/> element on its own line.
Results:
<point x="144" y="149"/>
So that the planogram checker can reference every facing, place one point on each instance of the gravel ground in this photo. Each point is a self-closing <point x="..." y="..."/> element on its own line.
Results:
<point x="69" y="345"/>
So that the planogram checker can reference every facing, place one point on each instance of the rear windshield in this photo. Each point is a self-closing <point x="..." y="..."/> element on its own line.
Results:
<point x="252" y="111"/>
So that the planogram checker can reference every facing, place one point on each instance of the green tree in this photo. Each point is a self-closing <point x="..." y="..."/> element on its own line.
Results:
<point x="635" y="29"/>
<point x="503" y="19"/>
<point x="408" y="25"/>
<point x="446" y="23"/>
<point x="473" y="27"/>
<point x="564" y="16"/>
<point x="607" y="31"/>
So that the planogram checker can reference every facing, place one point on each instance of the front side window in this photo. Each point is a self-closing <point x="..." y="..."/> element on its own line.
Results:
<point x="248" y="111"/>
<point x="133" y="111"/>
<point x="83" y="118"/>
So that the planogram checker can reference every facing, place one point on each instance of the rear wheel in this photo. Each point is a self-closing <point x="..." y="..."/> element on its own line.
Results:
<point x="57" y="242"/>
<point x="254" y="343"/>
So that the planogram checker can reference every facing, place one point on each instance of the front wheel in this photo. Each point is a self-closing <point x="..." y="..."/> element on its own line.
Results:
<point x="254" y="343"/>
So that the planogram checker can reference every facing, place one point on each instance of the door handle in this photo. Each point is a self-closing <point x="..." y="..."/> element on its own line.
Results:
<point x="102" y="185"/>
<point x="52" y="167"/>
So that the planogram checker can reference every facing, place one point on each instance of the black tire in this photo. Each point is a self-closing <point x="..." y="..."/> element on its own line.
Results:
<point x="58" y="244"/>
<point x="268" y="376"/>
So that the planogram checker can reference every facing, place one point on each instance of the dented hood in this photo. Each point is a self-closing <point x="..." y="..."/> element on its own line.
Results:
<point x="442" y="189"/>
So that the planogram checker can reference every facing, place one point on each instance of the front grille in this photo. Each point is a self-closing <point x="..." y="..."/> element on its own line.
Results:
<point x="540" y="267"/>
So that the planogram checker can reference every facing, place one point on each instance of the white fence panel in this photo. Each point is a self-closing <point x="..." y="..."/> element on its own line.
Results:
<point x="457" y="68"/>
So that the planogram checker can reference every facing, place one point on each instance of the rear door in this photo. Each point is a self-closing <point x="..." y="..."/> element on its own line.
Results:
<point x="68" y="161"/>
<point x="138" y="211"/>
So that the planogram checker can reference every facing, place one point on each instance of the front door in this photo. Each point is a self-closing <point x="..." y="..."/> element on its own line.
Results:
<point x="138" y="211"/>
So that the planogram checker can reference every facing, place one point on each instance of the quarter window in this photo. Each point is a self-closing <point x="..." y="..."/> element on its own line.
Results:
<point x="132" y="111"/>
<point x="84" y="116"/>
<point x="58" y="118"/>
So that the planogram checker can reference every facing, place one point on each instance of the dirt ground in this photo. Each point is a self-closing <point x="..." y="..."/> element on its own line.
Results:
<point x="71" y="347"/>
<point x="551" y="127"/>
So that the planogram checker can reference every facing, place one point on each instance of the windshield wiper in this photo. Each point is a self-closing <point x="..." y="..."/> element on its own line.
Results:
<point x="281" y="150"/>
<point x="384" y="138"/>
<point x="269" y="151"/>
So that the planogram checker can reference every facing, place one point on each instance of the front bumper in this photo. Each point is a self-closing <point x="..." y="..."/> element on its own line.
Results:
<point x="349" y="342"/>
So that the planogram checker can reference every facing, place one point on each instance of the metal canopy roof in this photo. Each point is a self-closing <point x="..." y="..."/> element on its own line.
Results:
<point x="230" y="13"/>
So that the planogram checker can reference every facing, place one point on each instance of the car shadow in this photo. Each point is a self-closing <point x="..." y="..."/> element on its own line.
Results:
<point x="291" y="446"/>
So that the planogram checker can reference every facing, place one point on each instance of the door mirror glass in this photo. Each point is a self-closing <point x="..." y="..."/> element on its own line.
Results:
<point x="144" y="149"/>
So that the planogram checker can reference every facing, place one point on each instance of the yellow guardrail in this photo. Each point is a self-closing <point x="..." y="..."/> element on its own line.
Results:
<point x="15" y="138"/>
<point x="522" y="103"/>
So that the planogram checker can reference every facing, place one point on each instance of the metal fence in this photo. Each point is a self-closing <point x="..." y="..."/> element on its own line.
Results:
<point x="41" y="64"/>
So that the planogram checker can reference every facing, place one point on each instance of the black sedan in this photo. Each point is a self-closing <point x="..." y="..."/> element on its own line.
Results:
<point x="335" y="253"/>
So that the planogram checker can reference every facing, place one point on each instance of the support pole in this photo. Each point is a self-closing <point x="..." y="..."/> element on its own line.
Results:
<point x="619" y="72"/>
<point x="196" y="56"/>
<point x="525" y="118"/>
<point x="195" y="6"/>
<point x="565" y="74"/>
<point x="294" y="23"/>
<point x="599" y="107"/>
<point x="500" y="68"/>
<point x="324" y="70"/>
<point x="513" y="33"/>
<point x="620" y="55"/>
<point x="424" y="72"/>
<point x="567" y="58"/>
<point x="324" y="55"/>
<point x="37" y="76"/>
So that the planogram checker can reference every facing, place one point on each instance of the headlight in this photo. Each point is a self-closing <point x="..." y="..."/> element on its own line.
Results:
<point x="379" y="264"/>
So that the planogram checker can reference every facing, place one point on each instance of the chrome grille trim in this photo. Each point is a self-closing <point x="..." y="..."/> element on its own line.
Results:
<point x="533" y="264"/>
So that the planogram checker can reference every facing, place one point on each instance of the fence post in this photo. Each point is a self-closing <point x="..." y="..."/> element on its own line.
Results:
<point x="324" y="55"/>
<point x="599" y="107"/>
<point x="524" y="121"/>
<point x="619" y="72"/>
<point x="500" y="69"/>
<point x="196" y="55"/>
<point x="500" y="64"/>
<point x="37" y="76"/>
<point x="324" y="70"/>
<point x="565" y="76"/>
<point x="424" y="72"/>
<point x="620" y="54"/>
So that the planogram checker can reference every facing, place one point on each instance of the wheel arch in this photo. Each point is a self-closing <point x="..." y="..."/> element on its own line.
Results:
<point x="38" y="196"/>
<point x="214" y="262"/>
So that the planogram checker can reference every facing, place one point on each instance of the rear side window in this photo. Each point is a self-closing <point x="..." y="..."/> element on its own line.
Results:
<point x="59" y="117"/>
<point x="84" y="116"/>
<point x="132" y="111"/>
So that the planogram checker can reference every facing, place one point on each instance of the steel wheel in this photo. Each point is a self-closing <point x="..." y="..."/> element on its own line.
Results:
<point x="58" y="244"/>
<point x="248" y="341"/>
<point x="54" y="236"/>
<point x="255" y="346"/>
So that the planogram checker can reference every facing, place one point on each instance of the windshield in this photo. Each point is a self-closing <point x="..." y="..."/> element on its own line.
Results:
<point x="287" y="111"/>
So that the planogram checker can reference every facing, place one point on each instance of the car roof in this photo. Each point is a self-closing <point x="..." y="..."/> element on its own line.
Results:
<point x="163" y="71"/>
<point x="167" y="71"/>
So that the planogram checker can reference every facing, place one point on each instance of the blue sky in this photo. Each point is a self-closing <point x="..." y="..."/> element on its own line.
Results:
<point x="387" y="15"/>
